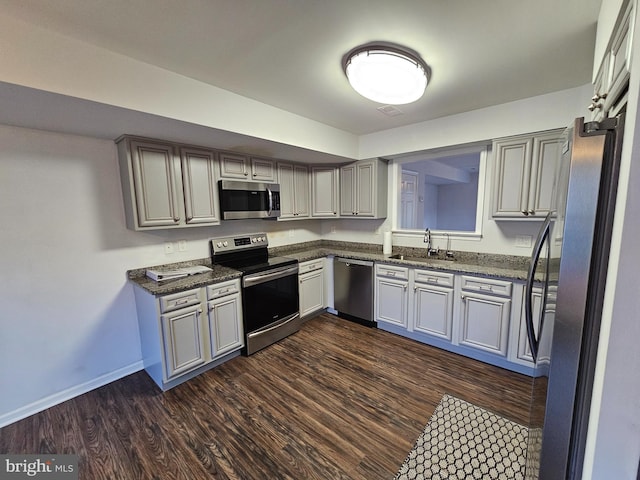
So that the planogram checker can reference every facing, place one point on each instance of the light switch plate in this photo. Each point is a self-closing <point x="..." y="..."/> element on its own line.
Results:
<point x="182" y="245"/>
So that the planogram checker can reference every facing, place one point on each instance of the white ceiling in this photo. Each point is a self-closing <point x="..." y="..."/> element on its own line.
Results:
<point x="287" y="53"/>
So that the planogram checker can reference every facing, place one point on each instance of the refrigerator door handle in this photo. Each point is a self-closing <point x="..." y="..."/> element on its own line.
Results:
<point x="528" y="295"/>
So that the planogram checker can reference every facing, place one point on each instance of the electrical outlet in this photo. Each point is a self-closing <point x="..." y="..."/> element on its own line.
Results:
<point x="333" y="229"/>
<point x="182" y="245"/>
<point x="523" y="241"/>
<point x="292" y="233"/>
<point x="168" y="247"/>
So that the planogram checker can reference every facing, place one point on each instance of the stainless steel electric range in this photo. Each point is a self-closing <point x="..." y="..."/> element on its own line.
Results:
<point x="270" y="299"/>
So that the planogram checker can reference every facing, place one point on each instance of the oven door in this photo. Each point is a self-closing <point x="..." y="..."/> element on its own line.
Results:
<point x="270" y="302"/>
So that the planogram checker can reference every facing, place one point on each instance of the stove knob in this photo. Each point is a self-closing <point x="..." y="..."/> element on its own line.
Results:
<point x="219" y="245"/>
<point x="262" y="239"/>
<point x="253" y="240"/>
<point x="225" y="243"/>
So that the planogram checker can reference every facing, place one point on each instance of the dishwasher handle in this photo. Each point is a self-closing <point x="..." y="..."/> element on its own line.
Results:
<point x="349" y="261"/>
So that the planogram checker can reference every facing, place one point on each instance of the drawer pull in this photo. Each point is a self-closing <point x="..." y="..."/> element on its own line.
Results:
<point x="182" y="301"/>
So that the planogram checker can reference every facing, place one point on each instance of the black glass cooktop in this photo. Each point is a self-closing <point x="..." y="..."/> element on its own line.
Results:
<point x="251" y="263"/>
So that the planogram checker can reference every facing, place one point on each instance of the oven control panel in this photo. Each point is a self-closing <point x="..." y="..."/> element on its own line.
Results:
<point x="239" y="243"/>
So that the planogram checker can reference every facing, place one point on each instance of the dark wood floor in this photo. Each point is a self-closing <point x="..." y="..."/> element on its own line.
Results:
<point x="334" y="401"/>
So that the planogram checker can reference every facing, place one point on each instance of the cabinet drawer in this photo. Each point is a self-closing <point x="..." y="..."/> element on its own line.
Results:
<point x="174" y="301"/>
<point x="392" y="271"/>
<point x="434" y="278"/>
<point x="311" y="265"/>
<point x="485" y="285"/>
<point x="218" y="290"/>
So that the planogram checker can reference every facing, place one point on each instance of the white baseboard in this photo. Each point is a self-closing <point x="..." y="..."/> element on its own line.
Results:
<point x="69" y="393"/>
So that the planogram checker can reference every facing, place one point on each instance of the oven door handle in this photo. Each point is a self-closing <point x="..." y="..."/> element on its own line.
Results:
<point x="273" y="326"/>
<point x="257" y="278"/>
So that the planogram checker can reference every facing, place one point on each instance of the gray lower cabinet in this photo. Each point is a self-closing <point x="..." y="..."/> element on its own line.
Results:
<point x="432" y="302"/>
<point x="485" y="315"/>
<point x="474" y="316"/>
<point x="179" y="340"/>
<point x="224" y="309"/>
<point x="392" y="295"/>
<point x="311" y="283"/>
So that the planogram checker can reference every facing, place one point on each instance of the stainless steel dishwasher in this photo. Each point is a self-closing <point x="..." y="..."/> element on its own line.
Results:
<point x="353" y="290"/>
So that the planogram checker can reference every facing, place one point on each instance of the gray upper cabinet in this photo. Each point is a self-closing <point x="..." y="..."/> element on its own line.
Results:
<point x="610" y="85"/>
<point x="199" y="184"/>
<point x="233" y="165"/>
<point x="263" y="170"/>
<point x="294" y="191"/>
<point x="237" y="166"/>
<point x="167" y="186"/>
<point x="149" y="172"/>
<point x="324" y="192"/>
<point x="363" y="189"/>
<point x="525" y="168"/>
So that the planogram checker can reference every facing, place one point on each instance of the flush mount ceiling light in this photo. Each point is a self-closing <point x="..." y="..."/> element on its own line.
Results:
<point x="386" y="73"/>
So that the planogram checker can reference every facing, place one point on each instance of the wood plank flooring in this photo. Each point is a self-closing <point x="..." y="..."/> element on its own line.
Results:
<point x="337" y="400"/>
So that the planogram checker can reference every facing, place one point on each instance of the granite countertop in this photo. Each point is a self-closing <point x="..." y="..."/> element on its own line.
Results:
<point x="217" y="274"/>
<point x="487" y="265"/>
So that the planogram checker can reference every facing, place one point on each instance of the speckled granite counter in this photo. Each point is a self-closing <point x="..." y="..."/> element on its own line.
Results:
<point x="164" y="287"/>
<point x="486" y="265"/>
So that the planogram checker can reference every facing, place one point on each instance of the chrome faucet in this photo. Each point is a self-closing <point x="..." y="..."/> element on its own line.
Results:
<point x="448" y="252"/>
<point x="427" y="239"/>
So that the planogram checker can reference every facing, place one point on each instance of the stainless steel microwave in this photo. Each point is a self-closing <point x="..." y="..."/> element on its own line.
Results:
<point x="240" y="200"/>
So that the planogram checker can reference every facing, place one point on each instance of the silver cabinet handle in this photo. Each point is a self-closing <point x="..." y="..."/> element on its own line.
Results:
<point x="532" y="212"/>
<point x="525" y="213"/>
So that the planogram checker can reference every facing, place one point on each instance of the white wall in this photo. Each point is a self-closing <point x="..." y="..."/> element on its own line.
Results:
<point x="68" y="317"/>
<point x="38" y="58"/>
<point x="544" y="112"/>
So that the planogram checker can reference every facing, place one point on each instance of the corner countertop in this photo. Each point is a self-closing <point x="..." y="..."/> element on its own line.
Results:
<point x="486" y="265"/>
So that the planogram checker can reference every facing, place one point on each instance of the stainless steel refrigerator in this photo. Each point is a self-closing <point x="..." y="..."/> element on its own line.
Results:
<point x="569" y="263"/>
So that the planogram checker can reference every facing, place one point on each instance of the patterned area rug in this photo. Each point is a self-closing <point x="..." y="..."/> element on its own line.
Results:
<point x="462" y="441"/>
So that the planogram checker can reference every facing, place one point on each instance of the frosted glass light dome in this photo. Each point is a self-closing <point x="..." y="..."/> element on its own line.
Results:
<point x="387" y="75"/>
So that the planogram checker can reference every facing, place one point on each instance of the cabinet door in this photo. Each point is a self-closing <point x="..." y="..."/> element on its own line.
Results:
<point x="301" y="190"/>
<point x="546" y="154"/>
<point x="524" y="351"/>
<point x="199" y="184"/>
<point x="324" y="191"/>
<point x="294" y="190"/>
<point x="183" y="340"/>
<point x="365" y="189"/>
<point x="262" y="170"/>
<point x="512" y="170"/>
<point x="225" y="325"/>
<point x="433" y="310"/>
<point x="233" y="166"/>
<point x="311" y="292"/>
<point x="287" y="190"/>
<point x="155" y="175"/>
<point x="484" y="322"/>
<point x="391" y="301"/>
<point x="348" y="193"/>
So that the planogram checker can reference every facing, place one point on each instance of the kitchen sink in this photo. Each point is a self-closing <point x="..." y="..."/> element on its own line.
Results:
<point x="398" y="256"/>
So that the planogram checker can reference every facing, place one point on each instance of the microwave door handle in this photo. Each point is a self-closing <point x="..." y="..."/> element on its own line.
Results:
<point x="270" y="197"/>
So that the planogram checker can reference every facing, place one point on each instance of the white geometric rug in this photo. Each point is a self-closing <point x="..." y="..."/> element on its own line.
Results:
<point x="462" y="441"/>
